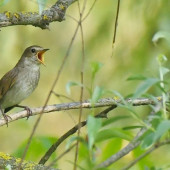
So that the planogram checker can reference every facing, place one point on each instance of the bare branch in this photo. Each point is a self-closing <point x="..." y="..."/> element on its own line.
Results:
<point x="76" y="105"/>
<point x="55" y="13"/>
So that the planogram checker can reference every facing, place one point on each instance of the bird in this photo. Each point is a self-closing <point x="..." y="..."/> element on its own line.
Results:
<point x="19" y="83"/>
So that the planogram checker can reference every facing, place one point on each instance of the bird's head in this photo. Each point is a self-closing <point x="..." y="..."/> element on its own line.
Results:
<point x="34" y="55"/>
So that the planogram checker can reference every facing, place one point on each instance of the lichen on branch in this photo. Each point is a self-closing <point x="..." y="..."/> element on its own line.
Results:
<point x="55" y="13"/>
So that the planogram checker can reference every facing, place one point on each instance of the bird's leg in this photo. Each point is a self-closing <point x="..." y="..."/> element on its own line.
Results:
<point x="29" y="112"/>
<point x="5" y="116"/>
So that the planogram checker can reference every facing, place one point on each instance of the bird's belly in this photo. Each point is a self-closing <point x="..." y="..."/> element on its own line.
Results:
<point x="19" y="91"/>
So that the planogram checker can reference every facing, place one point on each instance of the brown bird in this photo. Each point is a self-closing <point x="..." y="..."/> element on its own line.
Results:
<point x="21" y="81"/>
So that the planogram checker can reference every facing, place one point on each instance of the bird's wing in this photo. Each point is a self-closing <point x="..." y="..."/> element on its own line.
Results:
<point x="7" y="81"/>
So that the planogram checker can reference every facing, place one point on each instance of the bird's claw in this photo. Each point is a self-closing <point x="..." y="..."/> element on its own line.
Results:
<point x="6" y="119"/>
<point x="29" y="112"/>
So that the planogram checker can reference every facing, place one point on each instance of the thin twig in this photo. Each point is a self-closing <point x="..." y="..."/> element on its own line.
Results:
<point x="63" y="96"/>
<point x="91" y="8"/>
<point x="49" y="95"/>
<point x="59" y="96"/>
<point x="156" y="146"/>
<point x="73" y="130"/>
<point x="82" y="79"/>
<point x="115" y="26"/>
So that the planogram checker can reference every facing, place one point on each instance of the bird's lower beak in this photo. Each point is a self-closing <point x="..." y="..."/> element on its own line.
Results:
<point x="40" y="56"/>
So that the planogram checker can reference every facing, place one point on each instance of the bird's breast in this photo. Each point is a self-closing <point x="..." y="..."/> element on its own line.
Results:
<point x="25" y="83"/>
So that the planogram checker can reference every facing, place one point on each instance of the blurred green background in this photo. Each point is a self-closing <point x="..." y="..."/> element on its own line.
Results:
<point x="134" y="53"/>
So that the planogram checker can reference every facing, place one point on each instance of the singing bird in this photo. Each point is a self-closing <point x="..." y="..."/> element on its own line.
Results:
<point x="21" y="81"/>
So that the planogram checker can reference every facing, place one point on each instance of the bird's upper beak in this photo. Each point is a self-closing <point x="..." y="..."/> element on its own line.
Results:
<point x="40" y="56"/>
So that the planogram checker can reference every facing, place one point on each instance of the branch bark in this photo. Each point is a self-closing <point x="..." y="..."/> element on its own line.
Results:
<point x="132" y="145"/>
<point x="156" y="146"/>
<point x="76" y="105"/>
<point x="55" y="13"/>
<point x="7" y="160"/>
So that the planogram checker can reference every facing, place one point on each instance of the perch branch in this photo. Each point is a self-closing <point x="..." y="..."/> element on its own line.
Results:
<point x="76" y="105"/>
<point x="7" y="160"/>
<point x="55" y="13"/>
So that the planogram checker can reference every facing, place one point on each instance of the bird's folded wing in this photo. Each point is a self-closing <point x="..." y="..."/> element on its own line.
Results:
<point x="7" y="81"/>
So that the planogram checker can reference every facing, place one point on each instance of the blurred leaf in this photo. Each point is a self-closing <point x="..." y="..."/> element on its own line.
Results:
<point x="145" y="86"/>
<point x="112" y="133"/>
<point x="110" y="148"/>
<point x="137" y="77"/>
<point x="38" y="147"/>
<point x="96" y="66"/>
<point x="161" y="59"/>
<point x="148" y="140"/>
<point x="8" y="167"/>
<point x="72" y="139"/>
<point x="131" y="127"/>
<point x="113" y="119"/>
<point x="161" y="35"/>
<point x="93" y="126"/>
<point x="3" y="2"/>
<point x="41" y="5"/>
<point x="70" y="84"/>
<point x="163" y="127"/>
<point x="145" y="161"/>
<point x="97" y="94"/>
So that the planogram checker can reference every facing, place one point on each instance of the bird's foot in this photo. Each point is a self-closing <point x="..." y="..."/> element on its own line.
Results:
<point x="6" y="118"/>
<point x="29" y="112"/>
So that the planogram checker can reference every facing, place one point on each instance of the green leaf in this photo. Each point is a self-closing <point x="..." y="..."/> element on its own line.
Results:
<point x="161" y="35"/>
<point x="163" y="127"/>
<point x="41" y="5"/>
<point x="3" y="2"/>
<point x="38" y="147"/>
<point x="112" y="133"/>
<point x="131" y="127"/>
<point x="161" y="59"/>
<point x="136" y="77"/>
<point x="109" y="149"/>
<point x="148" y="140"/>
<point x="8" y="167"/>
<point x="97" y="94"/>
<point x="145" y="86"/>
<point x="70" y="84"/>
<point x="164" y="70"/>
<point x="72" y="139"/>
<point x="96" y="66"/>
<point x="113" y="119"/>
<point x="93" y="126"/>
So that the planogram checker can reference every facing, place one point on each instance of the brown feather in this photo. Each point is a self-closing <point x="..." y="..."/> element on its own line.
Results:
<point x="8" y="81"/>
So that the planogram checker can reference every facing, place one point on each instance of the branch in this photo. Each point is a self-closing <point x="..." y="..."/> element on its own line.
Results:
<point x="76" y="105"/>
<point x="156" y="146"/>
<point x="7" y="160"/>
<point x="132" y="145"/>
<point x="55" y="13"/>
<point x="73" y="130"/>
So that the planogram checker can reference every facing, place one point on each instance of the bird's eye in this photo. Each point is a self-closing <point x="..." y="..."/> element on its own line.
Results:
<point x="33" y="50"/>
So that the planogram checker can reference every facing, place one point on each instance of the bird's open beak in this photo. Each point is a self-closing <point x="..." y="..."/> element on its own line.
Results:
<point x="40" y="56"/>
